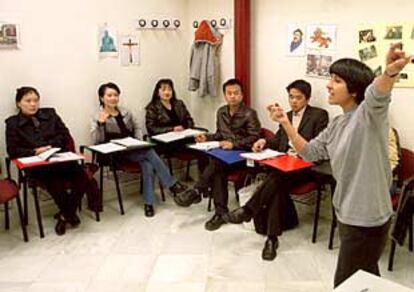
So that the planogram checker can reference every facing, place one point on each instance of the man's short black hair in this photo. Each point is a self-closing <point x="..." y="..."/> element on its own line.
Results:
<point x="233" y="81"/>
<point x="356" y="74"/>
<point x="301" y="85"/>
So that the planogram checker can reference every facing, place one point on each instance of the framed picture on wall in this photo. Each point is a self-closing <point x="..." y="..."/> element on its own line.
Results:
<point x="295" y="40"/>
<point x="321" y="37"/>
<point x="9" y="36"/>
<point x="107" y="42"/>
<point x="317" y="65"/>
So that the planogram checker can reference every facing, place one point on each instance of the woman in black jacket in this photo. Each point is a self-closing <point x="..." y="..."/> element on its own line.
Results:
<point x="35" y="130"/>
<point x="166" y="113"/>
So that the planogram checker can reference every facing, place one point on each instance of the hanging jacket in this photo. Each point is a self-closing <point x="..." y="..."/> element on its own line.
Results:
<point x="204" y="61"/>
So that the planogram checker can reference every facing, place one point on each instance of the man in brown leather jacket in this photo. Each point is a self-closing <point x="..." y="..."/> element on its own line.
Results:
<point x="238" y="127"/>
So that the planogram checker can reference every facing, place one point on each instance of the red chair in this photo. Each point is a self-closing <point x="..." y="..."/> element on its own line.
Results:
<point x="405" y="181"/>
<point x="9" y="191"/>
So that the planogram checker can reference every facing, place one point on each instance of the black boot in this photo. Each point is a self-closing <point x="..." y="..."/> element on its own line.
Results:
<point x="238" y="216"/>
<point x="214" y="223"/>
<point x="269" y="249"/>
<point x="149" y="210"/>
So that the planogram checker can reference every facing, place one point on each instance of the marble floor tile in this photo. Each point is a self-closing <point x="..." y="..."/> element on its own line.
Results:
<point x="16" y="268"/>
<point x="176" y="287"/>
<point x="58" y="287"/>
<point x="180" y="268"/>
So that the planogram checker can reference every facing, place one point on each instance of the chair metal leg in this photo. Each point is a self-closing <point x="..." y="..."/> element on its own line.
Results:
<point x="163" y="193"/>
<point x="21" y="217"/>
<point x="333" y="226"/>
<point x="410" y="234"/>
<point x="38" y="214"/>
<point x="316" y="216"/>
<point x="25" y="204"/>
<point x="210" y="198"/>
<point x="6" y="214"/>
<point x="391" y="257"/>
<point x="170" y="165"/>
<point x="118" y="192"/>
<point x="187" y="172"/>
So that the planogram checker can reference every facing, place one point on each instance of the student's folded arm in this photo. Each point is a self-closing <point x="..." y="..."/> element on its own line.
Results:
<point x="151" y="122"/>
<point x="315" y="149"/>
<point x="14" y="148"/>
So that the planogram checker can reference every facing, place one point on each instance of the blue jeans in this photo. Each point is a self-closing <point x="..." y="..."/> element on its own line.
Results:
<point x="150" y="162"/>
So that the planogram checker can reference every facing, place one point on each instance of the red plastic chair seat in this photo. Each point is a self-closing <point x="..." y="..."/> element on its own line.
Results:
<point x="8" y="190"/>
<point x="304" y="188"/>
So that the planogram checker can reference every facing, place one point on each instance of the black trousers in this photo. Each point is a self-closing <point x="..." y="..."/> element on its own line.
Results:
<point x="361" y="248"/>
<point x="272" y="205"/>
<point x="215" y="176"/>
<point x="57" y="179"/>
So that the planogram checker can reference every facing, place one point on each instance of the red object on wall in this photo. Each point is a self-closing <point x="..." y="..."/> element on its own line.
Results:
<point x="242" y="45"/>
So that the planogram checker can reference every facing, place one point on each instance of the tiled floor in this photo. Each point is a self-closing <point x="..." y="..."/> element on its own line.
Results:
<point x="171" y="252"/>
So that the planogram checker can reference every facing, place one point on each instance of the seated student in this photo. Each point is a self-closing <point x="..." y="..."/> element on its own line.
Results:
<point x="113" y="122"/>
<point x="35" y="130"/>
<point x="237" y="127"/>
<point x="272" y="199"/>
<point x="166" y="113"/>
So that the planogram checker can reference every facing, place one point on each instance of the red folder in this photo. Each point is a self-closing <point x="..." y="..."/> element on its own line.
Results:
<point x="287" y="163"/>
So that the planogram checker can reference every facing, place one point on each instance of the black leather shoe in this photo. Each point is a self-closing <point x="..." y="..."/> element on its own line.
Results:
<point x="178" y="188"/>
<point x="74" y="220"/>
<point x="187" y="198"/>
<point x="269" y="249"/>
<point x="214" y="223"/>
<point x="60" y="227"/>
<point x="149" y="210"/>
<point x="237" y="216"/>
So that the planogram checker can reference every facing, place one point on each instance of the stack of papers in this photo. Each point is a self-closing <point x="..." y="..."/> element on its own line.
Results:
<point x="205" y="146"/>
<point x="265" y="154"/>
<point x="66" y="156"/>
<point x="119" y="145"/>
<point x="174" y="136"/>
<point x="131" y="142"/>
<point x="39" y="158"/>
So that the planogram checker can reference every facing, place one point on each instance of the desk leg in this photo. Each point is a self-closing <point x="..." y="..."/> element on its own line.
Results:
<point x="25" y="198"/>
<point x="6" y="213"/>
<point x="118" y="191"/>
<point x="38" y="215"/>
<point x="101" y="170"/>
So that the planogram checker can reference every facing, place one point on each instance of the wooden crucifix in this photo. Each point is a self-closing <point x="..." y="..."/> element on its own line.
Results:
<point x="130" y="44"/>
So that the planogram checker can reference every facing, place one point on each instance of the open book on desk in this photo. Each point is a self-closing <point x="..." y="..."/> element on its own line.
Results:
<point x="175" y="136"/>
<point x="205" y="146"/>
<point x="120" y="145"/>
<point x="38" y="158"/>
<point x="265" y="154"/>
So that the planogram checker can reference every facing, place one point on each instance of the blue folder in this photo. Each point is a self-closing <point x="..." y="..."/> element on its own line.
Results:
<point x="227" y="156"/>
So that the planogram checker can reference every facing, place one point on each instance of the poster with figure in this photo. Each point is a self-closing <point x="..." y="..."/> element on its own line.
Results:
<point x="374" y="41"/>
<point x="129" y="50"/>
<point x="321" y="37"/>
<point x="9" y="36"/>
<point x="317" y="65"/>
<point x="107" y="42"/>
<point x="295" y="40"/>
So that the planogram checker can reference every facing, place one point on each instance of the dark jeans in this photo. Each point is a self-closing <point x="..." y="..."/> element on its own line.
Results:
<point x="57" y="179"/>
<point x="361" y="248"/>
<point x="272" y="203"/>
<point x="215" y="176"/>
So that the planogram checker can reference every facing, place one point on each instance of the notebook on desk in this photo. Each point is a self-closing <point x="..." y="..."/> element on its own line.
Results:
<point x="227" y="156"/>
<point x="287" y="163"/>
<point x="33" y="161"/>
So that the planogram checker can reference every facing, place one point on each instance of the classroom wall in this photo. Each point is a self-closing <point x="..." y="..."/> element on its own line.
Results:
<point x="272" y="70"/>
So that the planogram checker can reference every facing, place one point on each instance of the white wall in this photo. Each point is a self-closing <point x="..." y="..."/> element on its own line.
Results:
<point x="272" y="71"/>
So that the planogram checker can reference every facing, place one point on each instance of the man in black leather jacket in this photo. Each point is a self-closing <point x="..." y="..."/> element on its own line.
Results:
<point x="238" y="127"/>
